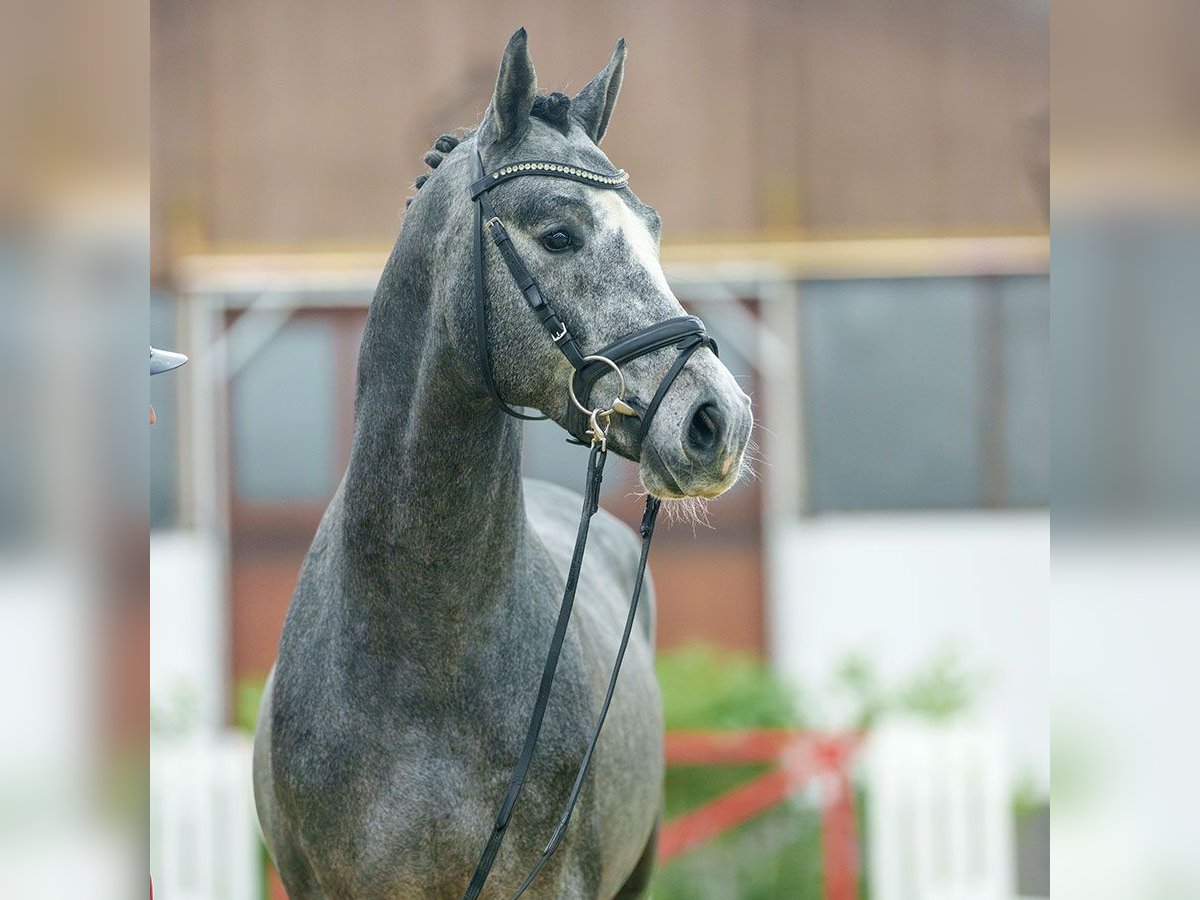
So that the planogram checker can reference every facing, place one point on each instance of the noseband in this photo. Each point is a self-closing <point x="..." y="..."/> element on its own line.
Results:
<point x="588" y="425"/>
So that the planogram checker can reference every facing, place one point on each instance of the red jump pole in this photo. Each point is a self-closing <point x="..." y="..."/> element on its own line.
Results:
<point x="728" y="811"/>
<point x="839" y="840"/>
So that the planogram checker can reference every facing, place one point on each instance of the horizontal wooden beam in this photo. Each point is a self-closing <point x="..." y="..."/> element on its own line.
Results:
<point x="358" y="270"/>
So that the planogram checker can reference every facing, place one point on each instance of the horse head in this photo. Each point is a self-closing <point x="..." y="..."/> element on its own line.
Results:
<point x="595" y="255"/>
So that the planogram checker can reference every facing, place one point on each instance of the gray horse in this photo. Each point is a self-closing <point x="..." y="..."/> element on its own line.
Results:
<point x="412" y="649"/>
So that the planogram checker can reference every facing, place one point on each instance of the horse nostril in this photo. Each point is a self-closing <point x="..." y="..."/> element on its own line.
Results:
<point x="704" y="431"/>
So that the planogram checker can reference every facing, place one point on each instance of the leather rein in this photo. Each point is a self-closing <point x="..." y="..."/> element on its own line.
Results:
<point x="589" y="426"/>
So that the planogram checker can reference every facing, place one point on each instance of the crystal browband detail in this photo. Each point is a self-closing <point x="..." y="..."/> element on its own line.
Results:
<point x="616" y="179"/>
<point x="619" y="178"/>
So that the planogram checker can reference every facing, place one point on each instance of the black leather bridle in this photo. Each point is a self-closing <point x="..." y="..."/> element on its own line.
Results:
<point x="589" y="426"/>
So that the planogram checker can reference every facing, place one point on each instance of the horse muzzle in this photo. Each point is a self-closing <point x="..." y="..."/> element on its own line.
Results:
<point x="705" y="457"/>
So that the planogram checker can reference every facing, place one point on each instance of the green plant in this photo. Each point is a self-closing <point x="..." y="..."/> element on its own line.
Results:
<point x="1028" y="797"/>
<point x="856" y="676"/>
<point x="776" y="854"/>
<point x="942" y="689"/>
<point x="247" y="697"/>
<point x="704" y="687"/>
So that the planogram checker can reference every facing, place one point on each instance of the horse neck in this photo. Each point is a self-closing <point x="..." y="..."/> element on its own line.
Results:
<point x="433" y="513"/>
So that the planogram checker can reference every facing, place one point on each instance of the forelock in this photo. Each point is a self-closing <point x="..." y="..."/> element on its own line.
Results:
<point x="554" y="109"/>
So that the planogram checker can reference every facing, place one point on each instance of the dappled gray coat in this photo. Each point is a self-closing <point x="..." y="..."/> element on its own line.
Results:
<point x="411" y="652"/>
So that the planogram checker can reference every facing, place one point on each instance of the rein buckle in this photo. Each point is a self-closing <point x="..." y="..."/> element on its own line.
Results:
<point x="598" y="432"/>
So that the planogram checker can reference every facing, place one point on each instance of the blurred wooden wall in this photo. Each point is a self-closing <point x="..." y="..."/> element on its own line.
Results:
<point x="284" y="123"/>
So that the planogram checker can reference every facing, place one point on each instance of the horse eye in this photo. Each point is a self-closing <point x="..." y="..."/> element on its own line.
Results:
<point x="556" y="241"/>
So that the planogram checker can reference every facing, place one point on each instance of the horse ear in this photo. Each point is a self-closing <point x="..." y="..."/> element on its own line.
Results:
<point x="508" y="115"/>
<point x="593" y="105"/>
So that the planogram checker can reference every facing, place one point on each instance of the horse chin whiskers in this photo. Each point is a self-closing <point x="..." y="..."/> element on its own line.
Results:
<point x="682" y="510"/>
<point x="688" y="511"/>
<point x="680" y="504"/>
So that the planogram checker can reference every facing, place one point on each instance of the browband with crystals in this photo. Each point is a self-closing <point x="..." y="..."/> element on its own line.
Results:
<point x="617" y="179"/>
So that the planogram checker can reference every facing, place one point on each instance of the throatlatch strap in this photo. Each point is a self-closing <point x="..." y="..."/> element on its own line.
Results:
<point x="591" y="502"/>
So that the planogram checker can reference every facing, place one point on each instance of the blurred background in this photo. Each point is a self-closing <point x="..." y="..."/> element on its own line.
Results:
<point x="856" y="201"/>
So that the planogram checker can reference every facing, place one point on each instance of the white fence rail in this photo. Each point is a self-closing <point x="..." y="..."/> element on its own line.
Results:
<point x="940" y="815"/>
<point x="204" y="838"/>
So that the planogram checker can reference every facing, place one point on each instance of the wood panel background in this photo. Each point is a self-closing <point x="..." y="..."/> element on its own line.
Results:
<point x="303" y="123"/>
